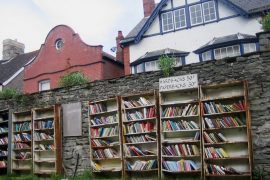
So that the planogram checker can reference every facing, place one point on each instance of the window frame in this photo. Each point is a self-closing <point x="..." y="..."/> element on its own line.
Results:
<point x="249" y="45"/>
<point x="209" y="12"/>
<point x="226" y="50"/>
<point x="191" y="23"/>
<point x="42" y="82"/>
<point x="185" y="17"/>
<point x="162" y="21"/>
<point x="210" y="57"/>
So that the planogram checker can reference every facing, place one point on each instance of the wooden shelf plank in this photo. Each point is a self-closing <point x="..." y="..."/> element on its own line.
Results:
<point x="224" y="113"/>
<point x="140" y="107"/>
<point x="140" y="120"/>
<point x="106" y="112"/>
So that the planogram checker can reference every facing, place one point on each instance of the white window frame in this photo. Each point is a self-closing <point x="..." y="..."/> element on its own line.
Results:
<point x="178" y="62"/>
<point x="172" y="15"/>
<point x="249" y="47"/>
<point x="215" y="11"/>
<point x="152" y="66"/>
<point x="206" y="57"/>
<point x="180" y="19"/>
<point x="41" y="83"/>
<point x="138" y="68"/>
<point x="191" y="23"/>
<point x="221" y="56"/>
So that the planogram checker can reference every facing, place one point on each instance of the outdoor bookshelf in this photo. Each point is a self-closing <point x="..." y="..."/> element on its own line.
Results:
<point x="180" y="129"/>
<point x="4" y="129"/>
<point x="47" y="144"/>
<point x="140" y="136"/>
<point x="226" y="131"/>
<point x="22" y="142"/>
<point x="105" y="138"/>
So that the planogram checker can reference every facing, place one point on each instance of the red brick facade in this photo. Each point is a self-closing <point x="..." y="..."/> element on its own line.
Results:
<point x="127" y="60"/>
<point x="148" y="7"/>
<point x="51" y="64"/>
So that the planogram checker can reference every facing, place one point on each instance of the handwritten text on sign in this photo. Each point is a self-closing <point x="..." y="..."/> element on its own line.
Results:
<point x="178" y="82"/>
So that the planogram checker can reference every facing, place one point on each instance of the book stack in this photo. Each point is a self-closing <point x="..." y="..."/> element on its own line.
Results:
<point x="101" y="143"/>
<point x="49" y="124"/>
<point x="23" y="155"/>
<point x="22" y="137"/>
<point x="3" y="129"/>
<point x="142" y="114"/>
<point x="221" y="170"/>
<point x="104" y="120"/>
<point x="180" y="166"/>
<point x="180" y="125"/>
<point x="142" y="101"/>
<point x="21" y="146"/>
<point x="3" y="153"/>
<point x="104" y="132"/>
<point x="3" y="164"/>
<point x="105" y="153"/>
<point x="44" y="147"/>
<point x="3" y="141"/>
<point x="140" y="139"/>
<point x="212" y="152"/>
<point x="180" y="150"/>
<point x="174" y="111"/>
<point x="25" y="126"/>
<point x="214" y="137"/>
<point x="139" y="127"/>
<point x="97" y="108"/>
<point x="223" y="122"/>
<point x="135" y="151"/>
<point x="42" y="136"/>
<point x="214" y="108"/>
<point x="142" y="165"/>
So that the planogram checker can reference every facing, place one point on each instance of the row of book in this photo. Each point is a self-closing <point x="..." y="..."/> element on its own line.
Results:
<point x="105" y="153"/>
<point x="3" y="164"/>
<point x="214" y="137"/>
<point x="100" y="143"/>
<point x="188" y="110"/>
<point x="140" y="139"/>
<point x="135" y="151"/>
<point x="142" y="165"/>
<point x="21" y="146"/>
<point x="145" y="113"/>
<point x="179" y="125"/>
<point x="220" y="170"/>
<point x="98" y="108"/>
<point x="44" y="124"/>
<point x="180" y="166"/>
<point x="23" y="155"/>
<point x="42" y="136"/>
<point x="142" y="101"/>
<point x="211" y="152"/>
<point x="44" y="147"/>
<point x="3" y="140"/>
<point x="22" y="137"/>
<point x="180" y="150"/>
<point x="104" y="132"/>
<point x="97" y="167"/>
<point x="224" y="122"/>
<point x="139" y="127"/>
<point x="25" y="126"/>
<point x="3" y="129"/>
<point x="104" y="120"/>
<point x="3" y="153"/>
<point x="213" y="108"/>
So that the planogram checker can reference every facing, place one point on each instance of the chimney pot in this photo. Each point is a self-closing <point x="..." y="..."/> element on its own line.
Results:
<point x="148" y="7"/>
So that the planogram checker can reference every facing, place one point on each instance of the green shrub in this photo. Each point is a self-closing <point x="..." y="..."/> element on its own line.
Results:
<point x="166" y="65"/>
<point x="73" y="79"/>
<point x="9" y="93"/>
<point x="266" y="22"/>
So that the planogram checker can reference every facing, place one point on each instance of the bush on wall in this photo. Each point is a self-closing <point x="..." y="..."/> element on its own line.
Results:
<point x="9" y="93"/>
<point x="266" y="22"/>
<point x="73" y="79"/>
<point x="166" y="64"/>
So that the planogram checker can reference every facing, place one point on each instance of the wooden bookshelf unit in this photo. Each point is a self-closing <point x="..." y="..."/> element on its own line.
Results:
<point x="22" y="142"/>
<point x="105" y="138"/>
<point x="226" y="131"/>
<point x="47" y="144"/>
<point x="4" y="129"/>
<point x="140" y="136"/>
<point x="180" y="129"/>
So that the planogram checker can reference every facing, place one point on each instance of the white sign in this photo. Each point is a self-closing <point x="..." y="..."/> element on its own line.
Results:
<point x="178" y="82"/>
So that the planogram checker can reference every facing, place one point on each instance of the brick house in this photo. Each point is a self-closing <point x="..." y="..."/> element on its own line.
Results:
<point x="64" y="52"/>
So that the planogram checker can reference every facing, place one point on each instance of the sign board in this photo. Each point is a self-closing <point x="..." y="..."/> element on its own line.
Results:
<point x="72" y="119"/>
<point x="178" y="83"/>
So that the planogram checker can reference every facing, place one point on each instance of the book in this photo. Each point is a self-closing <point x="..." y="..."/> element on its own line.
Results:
<point x="180" y="166"/>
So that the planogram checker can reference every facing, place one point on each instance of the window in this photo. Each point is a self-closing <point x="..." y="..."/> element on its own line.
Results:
<point x="167" y="21"/>
<point x="249" y="47"/>
<point x="178" y="61"/>
<point x="196" y="14"/>
<point x="209" y="11"/>
<point x="180" y="19"/>
<point x="59" y="43"/>
<point x="152" y="66"/>
<point x="44" y="85"/>
<point x="206" y="56"/>
<point x="229" y="51"/>
<point x="139" y="68"/>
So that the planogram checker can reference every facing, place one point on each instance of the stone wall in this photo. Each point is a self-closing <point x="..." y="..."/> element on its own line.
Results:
<point x="253" y="67"/>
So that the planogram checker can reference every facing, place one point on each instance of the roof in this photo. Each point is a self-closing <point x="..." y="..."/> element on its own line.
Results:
<point x="227" y="40"/>
<point x="154" y="55"/>
<point x="10" y="67"/>
<point x="111" y="58"/>
<point x="243" y="7"/>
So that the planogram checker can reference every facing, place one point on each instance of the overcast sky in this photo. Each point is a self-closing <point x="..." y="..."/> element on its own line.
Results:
<point x="96" y="21"/>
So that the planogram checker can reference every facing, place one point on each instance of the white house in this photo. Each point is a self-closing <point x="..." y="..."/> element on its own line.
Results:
<point x="193" y="31"/>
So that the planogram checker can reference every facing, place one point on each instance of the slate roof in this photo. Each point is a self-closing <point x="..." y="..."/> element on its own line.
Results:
<point x="227" y="40"/>
<point x="10" y="67"/>
<point x="154" y="55"/>
<point x="244" y="7"/>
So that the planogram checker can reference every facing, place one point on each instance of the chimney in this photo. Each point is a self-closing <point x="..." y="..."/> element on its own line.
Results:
<point x="148" y="7"/>
<point x="119" y="49"/>
<point x="12" y="48"/>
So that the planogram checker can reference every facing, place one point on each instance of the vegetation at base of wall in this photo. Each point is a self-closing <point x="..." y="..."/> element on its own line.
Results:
<point x="9" y="93"/>
<point x="266" y="22"/>
<point x="258" y="173"/>
<point x="166" y="64"/>
<point x="73" y="79"/>
<point x="85" y="176"/>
